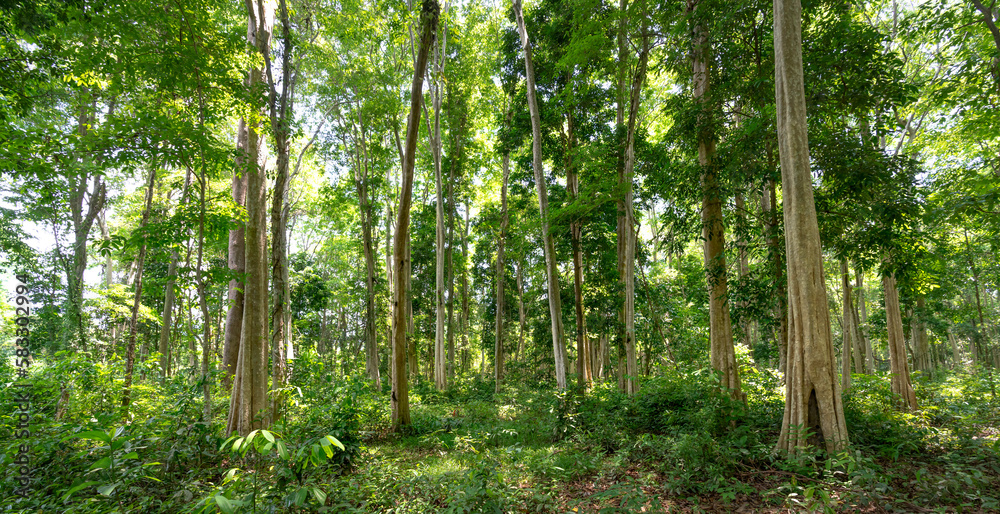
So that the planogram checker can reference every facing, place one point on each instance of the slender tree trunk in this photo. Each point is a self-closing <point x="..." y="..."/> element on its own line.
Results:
<point x="583" y="367"/>
<point x="922" y="360"/>
<point x="498" y="353"/>
<point x="464" y="321"/>
<point x="548" y="244"/>
<point x="168" y="309"/>
<point x="956" y="353"/>
<point x="440" y="375"/>
<point x="248" y="402"/>
<point x="901" y="385"/>
<point x="134" y="324"/>
<point x="812" y="393"/>
<point x="713" y="229"/>
<point x="400" y="388"/>
<point x="859" y="286"/>
<point x="520" y="309"/>
<point x="847" y="328"/>
<point x="450" y="257"/>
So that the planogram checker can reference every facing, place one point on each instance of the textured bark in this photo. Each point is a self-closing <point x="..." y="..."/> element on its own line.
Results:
<point x="812" y="393"/>
<point x="900" y="371"/>
<point x="769" y="204"/>
<point x="583" y="367"/>
<point x="248" y="400"/>
<point x="237" y="257"/>
<point x="548" y="244"/>
<point x="400" y="387"/>
<point x="281" y="108"/>
<point x="498" y="350"/>
<point x="713" y="229"/>
<point x="134" y="323"/>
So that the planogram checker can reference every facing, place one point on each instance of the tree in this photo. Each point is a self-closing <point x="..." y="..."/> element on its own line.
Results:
<point x="429" y="12"/>
<point x="249" y="393"/>
<point x="813" y="410"/>
<point x="548" y="243"/>
<point x="713" y="228"/>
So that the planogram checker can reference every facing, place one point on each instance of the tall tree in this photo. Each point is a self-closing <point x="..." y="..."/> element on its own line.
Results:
<point x="429" y="12"/>
<point x="813" y="410"/>
<point x="713" y="228"/>
<point x="249" y="394"/>
<point x="548" y="243"/>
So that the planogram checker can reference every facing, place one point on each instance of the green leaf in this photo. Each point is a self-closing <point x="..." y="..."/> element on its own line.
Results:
<point x="336" y="442"/>
<point x="101" y="464"/>
<point x="282" y="451"/>
<point x="319" y="495"/>
<point x="224" y="504"/>
<point x="95" y="434"/>
<point x="131" y="455"/>
<point x="267" y="435"/>
<point x="76" y="488"/>
<point x="106" y="490"/>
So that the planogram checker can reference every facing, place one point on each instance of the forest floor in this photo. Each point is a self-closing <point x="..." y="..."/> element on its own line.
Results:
<point x="679" y="450"/>
<point x="680" y="445"/>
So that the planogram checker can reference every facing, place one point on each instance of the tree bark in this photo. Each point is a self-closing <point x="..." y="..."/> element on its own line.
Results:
<point x="548" y="244"/>
<point x="249" y="394"/>
<point x="400" y="388"/>
<point x="900" y="384"/>
<point x="812" y="393"/>
<point x="168" y="309"/>
<point x="440" y="375"/>
<point x="713" y="229"/>
<point x="921" y="348"/>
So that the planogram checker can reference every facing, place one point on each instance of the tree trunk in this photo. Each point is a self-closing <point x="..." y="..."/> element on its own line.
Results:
<point x="168" y="309"/>
<point x="237" y="255"/>
<point x="626" y="214"/>
<point x="848" y="327"/>
<point x="900" y="385"/>
<point x="134" y="324"/>
<point x="520" y="309"/>
<point x="440" y="375"/>
<point x="956" y="353"/>
<point x="583" y="367"/>
<point x="921" y="347"/>
<point x="713" y="229"/>
<point x="464" y="322"/>
<point x="249" y="394"/>
<point x="400" y="388"/>
<point x="859" y="286"/>
<point x="281" y="108"/>
<point x="812" y="393"/>
<point x="498" y="354"/>
<point x="450" y="257"/>
<point x="548" y="244"/>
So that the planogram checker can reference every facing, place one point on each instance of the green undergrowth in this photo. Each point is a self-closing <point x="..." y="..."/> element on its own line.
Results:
<point x="680" y="444"/>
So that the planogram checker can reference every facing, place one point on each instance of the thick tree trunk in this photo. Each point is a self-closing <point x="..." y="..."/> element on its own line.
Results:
<point x="134" y="323"/>
<point x="548" y="244"/>
<point x="812" y="393"/>
<point x="281" y="108"/>
<point x="713" y="229"/>
<point x="400" y="388"/>
<point x="900" y="384"/>
<point x="498" y="350"/>
<point x="237" y="255"/>
<point x="248" y="402"/>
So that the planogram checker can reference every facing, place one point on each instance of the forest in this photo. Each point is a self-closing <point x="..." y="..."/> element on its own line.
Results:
<point x="488" y="256"/>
